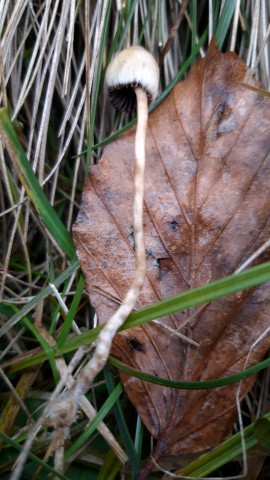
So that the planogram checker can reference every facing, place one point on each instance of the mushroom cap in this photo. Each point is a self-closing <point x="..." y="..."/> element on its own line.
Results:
<point x="130" y="68"/>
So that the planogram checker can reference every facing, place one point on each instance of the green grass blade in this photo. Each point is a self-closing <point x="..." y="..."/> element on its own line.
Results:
<point x="207" y="293"/>
<point x="262" y="432"/>
<point x="122" y="425"/>
<point x="130" y="13"/>
<point x="197" y="296"/>
<point x="146" y="19"/>
<point x="224" y="453"/>
<point x="194" y="23"/>
<point x="9" y="309"/>
<point x="32" y="186"/>
<point x="110" y="466"/>
<point x="40" y="462"/>
<point x="113" y="48"/>
<point x="224" y="21"/>
<point x="216" y="13"/>
<point x="72" y="312"/>
<point x="40" y="296"/>
<point x="46" y="347"/>
<point x="91" y="427"/>
<point x="205" y="385"/>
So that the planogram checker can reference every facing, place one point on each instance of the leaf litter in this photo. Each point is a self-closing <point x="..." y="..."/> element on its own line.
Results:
<point x="206" y="211"/>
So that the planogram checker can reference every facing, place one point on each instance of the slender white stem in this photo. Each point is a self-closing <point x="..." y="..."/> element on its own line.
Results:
<point x="104" y="341"/>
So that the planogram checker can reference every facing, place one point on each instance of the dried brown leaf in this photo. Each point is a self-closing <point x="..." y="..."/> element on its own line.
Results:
<point x="207" y="200"/>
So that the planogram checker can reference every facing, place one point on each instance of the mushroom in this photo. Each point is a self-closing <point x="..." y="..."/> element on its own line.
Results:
<point x="130" y="69"/>
<point x="132" y="81"/>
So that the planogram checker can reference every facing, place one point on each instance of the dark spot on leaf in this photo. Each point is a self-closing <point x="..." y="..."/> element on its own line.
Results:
<point x="173" y="225"/>
<point x="225" y="122"/>
<point x="134" y="344"/>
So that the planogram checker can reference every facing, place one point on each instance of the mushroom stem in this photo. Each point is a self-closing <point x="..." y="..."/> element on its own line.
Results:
<point x="138" y="230"/>
<point x="105" y="338"/>
<point x="85" y="378"/>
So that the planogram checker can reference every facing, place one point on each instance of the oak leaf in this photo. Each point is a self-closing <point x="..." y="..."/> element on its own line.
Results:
<point x="207" y="198"/>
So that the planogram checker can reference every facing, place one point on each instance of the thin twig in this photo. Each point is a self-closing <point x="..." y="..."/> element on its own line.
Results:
<point x="173" y="31"/>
